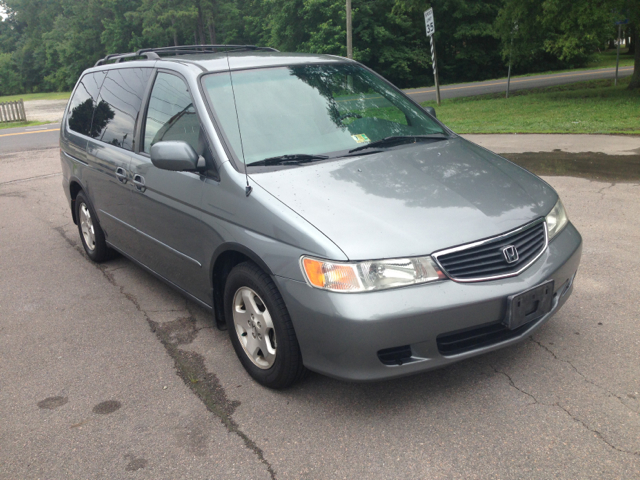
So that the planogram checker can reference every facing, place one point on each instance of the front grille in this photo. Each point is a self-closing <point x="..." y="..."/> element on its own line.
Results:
<point x="467" y="340"/>
<point x="395" y="355"/>
<point x="485" y="259"/>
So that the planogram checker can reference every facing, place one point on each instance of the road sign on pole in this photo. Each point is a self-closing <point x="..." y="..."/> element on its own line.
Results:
<point x="428" y="20"/>
<point x="431" y="28"/>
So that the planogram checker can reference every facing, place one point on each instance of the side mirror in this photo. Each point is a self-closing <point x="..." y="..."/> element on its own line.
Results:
<point x="431" y="111"/>
<point x="176" y="156"/>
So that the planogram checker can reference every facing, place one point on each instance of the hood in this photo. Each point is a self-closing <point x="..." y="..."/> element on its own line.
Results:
<point x="411" y="200"/>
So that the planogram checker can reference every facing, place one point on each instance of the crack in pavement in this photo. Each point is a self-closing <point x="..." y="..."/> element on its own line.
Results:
<point x="512" y="383"/>
<point x="598" y="434"/>
<point x="601" y="191"/>
<point x="584" y="377"/>
<point x="190" y="366"/>
<point x="37" y="177"/>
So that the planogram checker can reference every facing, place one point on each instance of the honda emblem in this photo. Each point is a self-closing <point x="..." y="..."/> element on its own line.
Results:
<point x="510" y="254"/>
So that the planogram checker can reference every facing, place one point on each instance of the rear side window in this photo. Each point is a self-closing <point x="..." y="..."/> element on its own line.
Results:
<point x="115" y="115"/>
<point x="171" y="114"/>
<point x="84" y="101"/>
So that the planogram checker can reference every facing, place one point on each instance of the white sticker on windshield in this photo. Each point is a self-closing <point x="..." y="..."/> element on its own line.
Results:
<point x="360" y="138"/>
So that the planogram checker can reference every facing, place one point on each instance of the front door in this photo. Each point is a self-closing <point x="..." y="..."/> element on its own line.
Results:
<point x="165" y="203"/>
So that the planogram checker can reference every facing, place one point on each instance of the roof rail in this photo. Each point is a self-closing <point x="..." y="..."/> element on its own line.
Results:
<point x="118" y="57"/>
<point x="154" y="53"/>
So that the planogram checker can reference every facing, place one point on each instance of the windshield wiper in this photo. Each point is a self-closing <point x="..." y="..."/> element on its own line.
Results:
<point x="398" y="140"/>
<point x="293" y="159"/>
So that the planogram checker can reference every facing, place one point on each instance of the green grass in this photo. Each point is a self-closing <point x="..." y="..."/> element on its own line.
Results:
<point x="605" y="59"/>
<point x="21" y="124"/>
<point x="37" y="96"/>
<point x="608" y="59"/>
<point x="586" y="107"/>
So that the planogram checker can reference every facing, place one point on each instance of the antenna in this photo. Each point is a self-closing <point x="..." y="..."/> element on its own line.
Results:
<point x="248" y="188"/>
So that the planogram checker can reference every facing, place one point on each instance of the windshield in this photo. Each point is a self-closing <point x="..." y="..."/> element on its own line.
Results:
<point x="310" y="109"/>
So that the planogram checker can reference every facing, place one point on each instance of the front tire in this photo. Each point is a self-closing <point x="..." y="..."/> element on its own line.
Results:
<point x="91" y="234"/>
<point x="260" y="328"/>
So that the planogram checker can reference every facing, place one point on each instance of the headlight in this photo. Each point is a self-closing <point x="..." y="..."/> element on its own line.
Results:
<point x="373" y="275"/>
<point x="556" y="220"/>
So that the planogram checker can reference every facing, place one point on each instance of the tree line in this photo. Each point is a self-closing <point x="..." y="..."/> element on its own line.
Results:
<point x="46" y="44"/>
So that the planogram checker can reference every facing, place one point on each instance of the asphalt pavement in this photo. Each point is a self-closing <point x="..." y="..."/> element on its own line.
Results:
<point x="29" y="138"/>
<point x="105" y="372"/>
<point x="517" y="83"/>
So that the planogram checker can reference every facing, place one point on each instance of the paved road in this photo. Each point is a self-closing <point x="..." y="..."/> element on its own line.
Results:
<point x="20" y="139"/>
<point x="107" y="373"/>
<point x="519" y="83"/>
<point x="29" y="138"/>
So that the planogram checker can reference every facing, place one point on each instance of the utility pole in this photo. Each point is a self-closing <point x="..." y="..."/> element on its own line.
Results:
<point x="615" y="83"/>
<point x="349" y="31"/>
<point x="509" y="74"/>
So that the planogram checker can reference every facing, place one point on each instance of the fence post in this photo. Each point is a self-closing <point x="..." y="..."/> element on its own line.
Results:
<point x="13" y="111"/>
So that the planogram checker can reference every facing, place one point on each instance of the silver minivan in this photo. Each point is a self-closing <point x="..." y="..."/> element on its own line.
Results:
<point x="329" y="222"/>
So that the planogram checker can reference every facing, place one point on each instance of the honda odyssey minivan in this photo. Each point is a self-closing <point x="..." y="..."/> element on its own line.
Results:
<point x="325" y="219"/>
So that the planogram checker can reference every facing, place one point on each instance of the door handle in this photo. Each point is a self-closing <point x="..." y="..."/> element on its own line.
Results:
<point x="138" y="181"/>
<point x="121" y="175"/>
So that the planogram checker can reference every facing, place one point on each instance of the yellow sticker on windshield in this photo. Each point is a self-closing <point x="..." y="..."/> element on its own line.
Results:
<point x="360" y="138"/>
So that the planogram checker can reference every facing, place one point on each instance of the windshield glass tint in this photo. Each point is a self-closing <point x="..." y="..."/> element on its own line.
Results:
<point x="310" y="109"/>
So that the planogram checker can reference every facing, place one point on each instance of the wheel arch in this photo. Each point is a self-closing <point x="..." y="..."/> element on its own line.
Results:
<point x="225" y="257"/>
<point x="75" y="187"/>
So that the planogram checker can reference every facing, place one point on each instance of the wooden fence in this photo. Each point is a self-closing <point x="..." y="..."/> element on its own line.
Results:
<point x="12" y="112"/>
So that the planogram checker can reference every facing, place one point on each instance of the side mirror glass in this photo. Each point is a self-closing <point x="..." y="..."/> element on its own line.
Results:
<point x="176" y="156"/>
<point x="431" y="111"/>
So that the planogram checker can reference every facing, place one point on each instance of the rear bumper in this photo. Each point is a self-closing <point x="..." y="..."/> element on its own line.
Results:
<point x="340" y="335"/>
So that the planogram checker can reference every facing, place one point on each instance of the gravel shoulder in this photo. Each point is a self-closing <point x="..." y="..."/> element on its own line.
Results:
<point x="45" y="110"/>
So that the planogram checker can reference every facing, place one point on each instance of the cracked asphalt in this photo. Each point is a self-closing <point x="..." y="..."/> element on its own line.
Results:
<point x="105" y="372"/>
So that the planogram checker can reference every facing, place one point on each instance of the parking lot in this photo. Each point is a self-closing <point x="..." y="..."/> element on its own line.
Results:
<point x="105" y="372"/>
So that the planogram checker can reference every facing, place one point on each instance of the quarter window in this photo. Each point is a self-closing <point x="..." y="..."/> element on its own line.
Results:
<point x="171" y="114"/>
<point x="84" y="101"/>
<point x="116" y="112"/>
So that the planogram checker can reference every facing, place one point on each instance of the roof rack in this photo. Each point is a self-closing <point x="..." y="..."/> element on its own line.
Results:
<point x="154" y="53"/>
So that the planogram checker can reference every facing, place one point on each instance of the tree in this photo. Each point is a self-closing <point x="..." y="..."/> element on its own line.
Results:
<point x="73" y="43"/>
<point x="631" y="10"/>
<point x="552" y="33"/>
<point x="10" y="81"/>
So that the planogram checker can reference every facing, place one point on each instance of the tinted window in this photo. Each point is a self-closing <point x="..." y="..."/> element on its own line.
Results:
<point x="83" y="102"/>
<point x="171" y="115"/>
<point x="117" y="110"/>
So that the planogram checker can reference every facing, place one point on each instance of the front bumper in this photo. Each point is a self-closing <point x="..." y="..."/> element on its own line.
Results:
<point x="340" y="334"/>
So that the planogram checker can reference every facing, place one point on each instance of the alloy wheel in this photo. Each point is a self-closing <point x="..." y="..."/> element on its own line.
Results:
<point x="86" y="225"/>
<point x="254" y="327"/>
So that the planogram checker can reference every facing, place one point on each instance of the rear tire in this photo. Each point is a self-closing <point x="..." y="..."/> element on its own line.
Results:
<point x="260" y="328"/>
<point x="91" y="235"/>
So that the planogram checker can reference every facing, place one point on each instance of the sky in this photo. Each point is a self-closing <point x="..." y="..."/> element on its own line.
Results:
<point x="2" y="14"/>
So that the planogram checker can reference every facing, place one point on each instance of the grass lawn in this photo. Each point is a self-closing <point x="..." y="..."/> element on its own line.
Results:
<point x="586" y="107"/>
<point x="608" y="59"/>
<point x="37" y="96"/>
<point x="20" y="124"/>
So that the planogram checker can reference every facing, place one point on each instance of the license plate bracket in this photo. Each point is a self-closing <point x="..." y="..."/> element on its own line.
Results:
<point x="529" y="306"/>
